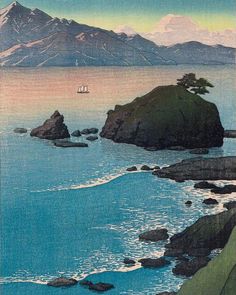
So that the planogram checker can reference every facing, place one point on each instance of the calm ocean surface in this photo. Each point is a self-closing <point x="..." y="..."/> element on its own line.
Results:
<point x="76" y="212"/>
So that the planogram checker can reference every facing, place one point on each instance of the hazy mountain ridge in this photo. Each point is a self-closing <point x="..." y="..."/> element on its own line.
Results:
<point x="33" y="38"/>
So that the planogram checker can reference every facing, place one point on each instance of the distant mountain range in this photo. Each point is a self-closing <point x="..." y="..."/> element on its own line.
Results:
<point x="30" y="38"/>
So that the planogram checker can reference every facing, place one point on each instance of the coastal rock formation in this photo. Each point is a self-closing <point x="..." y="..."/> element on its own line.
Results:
<point x="131" y="169"/>
<point x="155" y="235"/>
<point x="53" y="128"/>
<point x="167" y="116"/>
<point x="218" y="277"/>
<point x="205" y="185"/>
<point x="190" y="267"/>
<point x="210" y="201"/>
<point x="62" y="282"/>
<point x="129" y="261"/>
<point x="209" y="232"/>
<point x="227" y="189"/>
<point x="20" y="130"/>
<point x="154" y="262"/>
<point x="222" y="168"/>
<point x="92" y="138"/>
<point x="76" y="133"/>
<point x="89" y="131"/>
<point x="100" y="287"/>
<point x="68" y="144"/>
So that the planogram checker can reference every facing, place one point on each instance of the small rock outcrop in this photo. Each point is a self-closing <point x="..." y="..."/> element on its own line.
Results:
<point x="20" y="130"/>
<point x="131" y="169"/>
<point x="210" y="201"/>
<point x="146" y="168"/>
<point x="208" y="232"/>
<point x="129" y="261"/>
<point x="190" y="267"/>
<point x="68" y="144"/>
<point x="89" y="131"/>
<point x="92" y="138"/>
<point x="53" y="128"/>
<point x="222" y="168"/>
<point x="99" y="287"/>
<point x="76" y="133"/>
<point x="227" y="189"/>
<point x="155" y="235"/>
<point x="188" y="203"/>
<point x="62" y="282"/>
<point x="154" y="262"/>
<point x="205" y="185"/>
<point x="167" y="116"/>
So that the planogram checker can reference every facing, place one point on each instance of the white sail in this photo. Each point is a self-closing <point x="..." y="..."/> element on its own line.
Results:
<point x="85" y="88"/>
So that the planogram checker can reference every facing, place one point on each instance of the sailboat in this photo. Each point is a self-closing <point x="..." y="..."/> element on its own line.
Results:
<point x="83" y="89"/>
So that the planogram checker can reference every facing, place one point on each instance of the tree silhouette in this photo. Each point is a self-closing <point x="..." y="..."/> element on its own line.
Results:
<point x="187" y="81"/>
<point x="198" y="86"/>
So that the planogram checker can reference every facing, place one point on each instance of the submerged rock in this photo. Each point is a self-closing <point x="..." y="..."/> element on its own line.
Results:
<point x="154" y="262"/>
<point x="92" y="138"/>
<point x="53" y="128"/>
<point x="227" y="189"/>
<point x="68" y="144"/>
<point x="20" y="130"/>
<point x="167" y="116"/>
<point x="76" y="133"/>
<point x="222" y="168"/>
<point x="199" y="151"/>
<point x="190" y="267"/>
<point x="210" y="201"/>
<point x="155" y="235"/>
<point x="204" y="185"/>
<point x="230" y="133"/>
<point x="131" y="169"/>
<point x="62" y="282"/>
<point x="209" y="232"/>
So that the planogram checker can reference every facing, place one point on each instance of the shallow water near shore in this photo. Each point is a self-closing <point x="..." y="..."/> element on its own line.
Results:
<point x="77" y="212"/>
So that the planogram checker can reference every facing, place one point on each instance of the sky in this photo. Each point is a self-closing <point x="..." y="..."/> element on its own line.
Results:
<point x="141" y="15"/>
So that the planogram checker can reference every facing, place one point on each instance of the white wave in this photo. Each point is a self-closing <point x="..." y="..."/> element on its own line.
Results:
<point x="92" y="183"/>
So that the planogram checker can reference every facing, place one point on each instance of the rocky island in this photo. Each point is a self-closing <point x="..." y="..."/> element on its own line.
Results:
<point x="52" y="128"/>
<point x="165" y="117"/>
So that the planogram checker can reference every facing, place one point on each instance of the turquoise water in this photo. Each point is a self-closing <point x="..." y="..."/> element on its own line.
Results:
<point x="76" y="212"/>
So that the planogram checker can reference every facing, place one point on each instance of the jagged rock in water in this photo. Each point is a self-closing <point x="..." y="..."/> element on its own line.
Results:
<point x="76" y="133"/>
<point x="53" y="128"/>
<point x="167" y="116"/>
<point x="154" y="262"/>
<point x="68" y="144"/>
<point x="210" y="201"/>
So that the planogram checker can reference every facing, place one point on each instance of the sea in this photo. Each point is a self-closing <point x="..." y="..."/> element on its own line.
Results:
<point x="77" y="212"/>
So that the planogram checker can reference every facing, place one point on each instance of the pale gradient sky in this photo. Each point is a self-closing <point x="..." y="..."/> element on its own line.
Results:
<point x="142" y="15"/>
